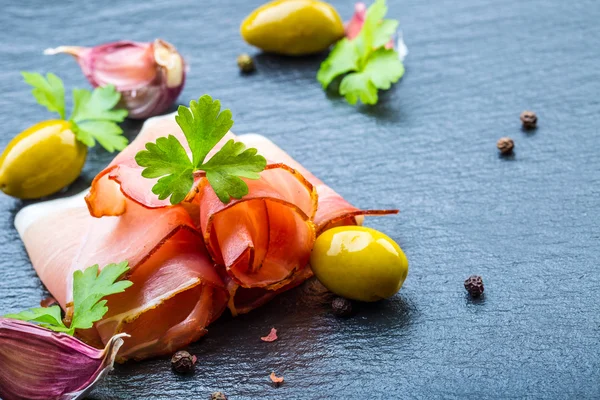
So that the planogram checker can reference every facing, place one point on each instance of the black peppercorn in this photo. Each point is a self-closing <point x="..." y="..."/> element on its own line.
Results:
<point x="183" y="362"/>
<point x="529" y="119"/>
<point x="474" y="285"/>
<point x="245" y="63"/>
<point x="218" y="396"/>
<point x="505" y="145"/>
<point x="341" y="307"/>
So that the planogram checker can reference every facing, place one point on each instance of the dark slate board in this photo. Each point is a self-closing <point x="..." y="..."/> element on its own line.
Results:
<point x="529" y="224"/>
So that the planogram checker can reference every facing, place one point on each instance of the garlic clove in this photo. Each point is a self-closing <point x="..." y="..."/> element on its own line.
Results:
<point x="149" y="76"/>
<point x="171" y="62"/>
<point x="37" y="363"/>
<point x="354" y="26"/>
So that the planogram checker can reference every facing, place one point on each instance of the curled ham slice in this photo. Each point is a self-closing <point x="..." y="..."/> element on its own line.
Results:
<point x="176" y="293"/>
<point x="266" y="237"/>
<point x="176" y="288"/>
<point x="332" y="209"/>
<point x="261" y="241"/>
<point x="121" y="179"/>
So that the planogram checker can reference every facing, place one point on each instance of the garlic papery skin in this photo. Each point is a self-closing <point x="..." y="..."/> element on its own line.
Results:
<point x="39" y="364"/>
<point x="150" y="76"/>
<point x="401" y="47"/>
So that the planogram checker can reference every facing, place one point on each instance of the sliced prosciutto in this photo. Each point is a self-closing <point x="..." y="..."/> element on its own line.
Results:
<point x="190" y="261"/>
<point x="266" y="237"/>
<point x="260" y="241"/>
<point x="176" y="293"/>
<point x="332" y="209"/>
<point x="122" y="177"/>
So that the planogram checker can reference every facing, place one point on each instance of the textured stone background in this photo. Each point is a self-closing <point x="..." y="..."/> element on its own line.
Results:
<point x="528" y="224"/>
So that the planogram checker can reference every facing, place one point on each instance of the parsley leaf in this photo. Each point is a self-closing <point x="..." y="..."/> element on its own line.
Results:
<point x="48" y="317"/>
<point x="365" y="41"/>
<point x="94" y="117"/>
<point x="107" y="133"/>
<point x="163" y="157"/>
<point x="97" y="105"/>
<point x="359" y="86"/>
<point x="49" y="92"/>
<point x="382" y="69"/>
<point x="89" y="288"/>
<point x="203" y="125"/>
<point x="364" y="63"/>
<point x="234" y="160"/>
<point x="176" y="185"/>
<point x="342" y="59"/>
<point x="384" y="32"/>
<point x="167" y="158"/>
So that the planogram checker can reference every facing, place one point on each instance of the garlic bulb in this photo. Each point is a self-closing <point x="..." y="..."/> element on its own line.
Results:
<point x="149" y="76"/>
<point x="39" y="364"/>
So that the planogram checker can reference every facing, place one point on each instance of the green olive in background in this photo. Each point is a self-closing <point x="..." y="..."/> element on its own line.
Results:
<point x="359" y="263"/>
<point x="293" y="27"/>
<point x="41" y="160"/>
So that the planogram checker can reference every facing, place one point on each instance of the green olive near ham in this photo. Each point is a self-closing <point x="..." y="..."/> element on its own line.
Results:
<point x="50" y="155"/>
<point x="359" y="263"/>
<point x="293" y="27"/>
<point x="41" y="160"/>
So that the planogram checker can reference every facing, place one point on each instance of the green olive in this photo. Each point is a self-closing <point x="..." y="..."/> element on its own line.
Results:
<point x="41" y="160"/>
<point x="293" y="27"/>
<point x="359" y="263"/>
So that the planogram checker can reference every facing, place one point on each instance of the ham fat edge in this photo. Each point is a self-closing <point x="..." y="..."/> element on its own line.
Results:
<point x="188" y="262"/>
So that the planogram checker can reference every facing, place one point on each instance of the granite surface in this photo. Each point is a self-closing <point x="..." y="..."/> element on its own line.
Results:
<point x="529" y="224"/>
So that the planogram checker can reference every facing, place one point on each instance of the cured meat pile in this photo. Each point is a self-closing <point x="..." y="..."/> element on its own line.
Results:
<point x="191" y="261"/>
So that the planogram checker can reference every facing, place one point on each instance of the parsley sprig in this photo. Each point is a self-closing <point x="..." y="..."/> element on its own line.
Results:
<point x="94" y="117"/>
<point x="365" y="62"/>
<point x="203" y="125"/>
<point x="89" y="288"/>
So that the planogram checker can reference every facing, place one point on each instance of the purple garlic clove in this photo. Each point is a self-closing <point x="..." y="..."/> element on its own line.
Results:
<point x="39" y="364"/>
<point x="149" y="76"/>
<point x="355" y="24"/>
